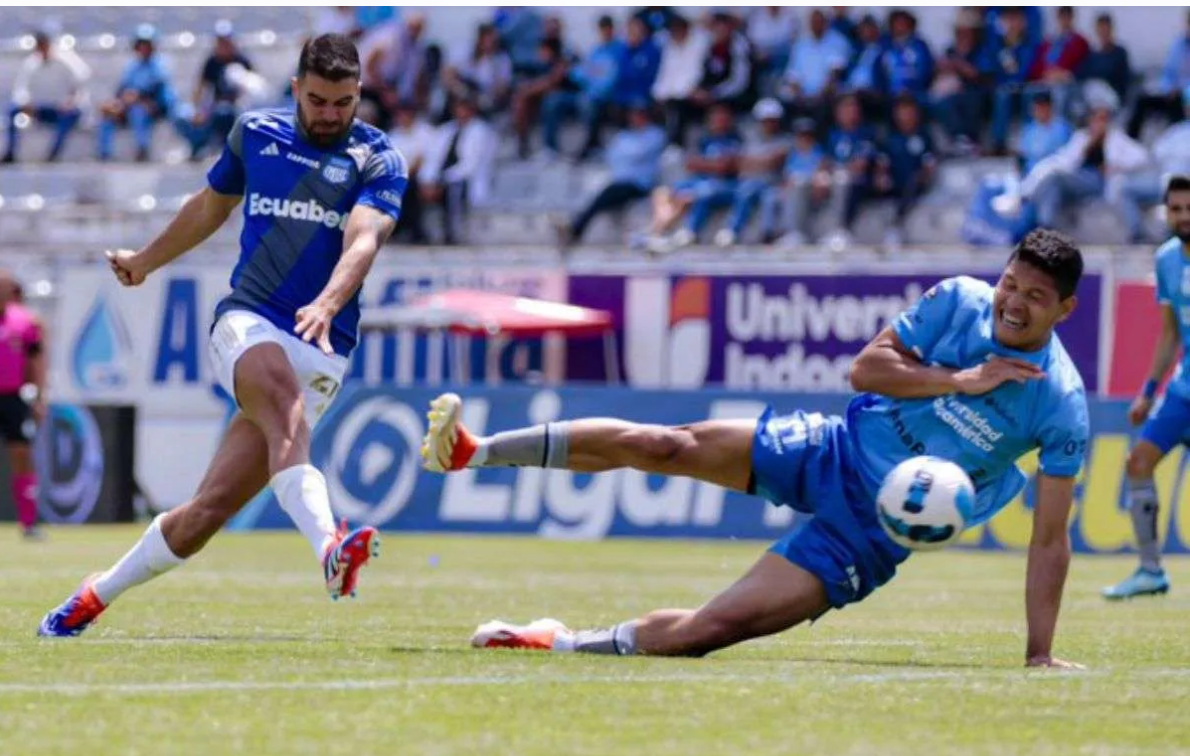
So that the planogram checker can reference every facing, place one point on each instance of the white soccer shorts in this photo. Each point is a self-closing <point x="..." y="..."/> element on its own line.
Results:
<point x="319" y="374"/>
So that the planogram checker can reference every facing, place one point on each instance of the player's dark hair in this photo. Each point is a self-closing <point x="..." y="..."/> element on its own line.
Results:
<point x="330" y="56"/>
<point x="1179" y="183"/>
<point x="1054" y="254"/>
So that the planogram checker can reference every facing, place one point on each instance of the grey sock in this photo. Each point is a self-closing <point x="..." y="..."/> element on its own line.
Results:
<point x="539" y="446"/>
<point x="1142" y="505"/>
<point x="619" y="640"/>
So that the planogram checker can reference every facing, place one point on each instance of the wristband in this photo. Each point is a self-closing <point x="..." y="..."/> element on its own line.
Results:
<point x="1150" y="389"/>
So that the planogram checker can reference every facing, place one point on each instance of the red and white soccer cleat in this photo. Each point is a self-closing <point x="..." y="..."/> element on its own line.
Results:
<point x="343" y="559"/>
<point x="447" y="445"/>
<point x="538" y="635"/>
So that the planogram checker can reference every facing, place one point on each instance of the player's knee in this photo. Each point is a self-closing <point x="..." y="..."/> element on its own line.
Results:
<point x="1140" y="465"/>
<point x="657" y="447"/>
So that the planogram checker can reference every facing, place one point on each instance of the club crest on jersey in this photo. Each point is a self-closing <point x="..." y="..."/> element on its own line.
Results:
<point x="337" y="171"/>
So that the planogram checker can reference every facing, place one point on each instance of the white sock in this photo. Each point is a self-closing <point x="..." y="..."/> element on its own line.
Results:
<point x="150" y="557"/>
<point x="301" y="491"/>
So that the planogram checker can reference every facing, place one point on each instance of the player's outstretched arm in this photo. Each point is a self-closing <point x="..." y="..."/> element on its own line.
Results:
<point x="1163" y="359"/>
<point x="1049" y="559"/>
<point x="367" y="230"/>
<point x="201" y="215"/>
<point x="886" y="366"/>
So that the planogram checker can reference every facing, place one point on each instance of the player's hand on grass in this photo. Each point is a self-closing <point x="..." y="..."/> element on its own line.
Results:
<point x="1139" y="410"/>
<point x="127" y="266"/>
<point x="1052" y="662"/>
<point x="314" y="326"/>
<point x="983" y="378"/>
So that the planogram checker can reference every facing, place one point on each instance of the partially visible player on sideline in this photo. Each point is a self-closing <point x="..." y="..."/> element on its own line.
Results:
<point x="1168" y="424"/>
<point x="323" y="193"/>
<point x="970" y="373"/>
<point x="22" y="365"/>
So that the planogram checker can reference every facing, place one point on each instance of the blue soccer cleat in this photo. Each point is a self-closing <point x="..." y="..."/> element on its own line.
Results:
<point x="75" y="615"/>
<point x="1143" y="582"/>
<point x="351" y="550"/>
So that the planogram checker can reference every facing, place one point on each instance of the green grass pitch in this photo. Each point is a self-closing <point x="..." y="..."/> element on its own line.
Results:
<point x="241" y="652"/>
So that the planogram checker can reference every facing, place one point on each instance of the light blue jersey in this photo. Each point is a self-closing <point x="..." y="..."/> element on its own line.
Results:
<point x="296" y="201"/>
<point x="952" y="326"/>
<point x="1173" y="289"/>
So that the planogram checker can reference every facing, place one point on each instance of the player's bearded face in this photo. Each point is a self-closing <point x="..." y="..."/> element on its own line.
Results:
<point x="1027" y="307"/>
<point x="1177" y="214"/>
<point x="325" y="108"/>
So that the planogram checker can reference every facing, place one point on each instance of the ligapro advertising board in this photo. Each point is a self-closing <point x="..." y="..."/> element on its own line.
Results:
<point x="367" y="446"/>
<point x="795" y="332"/>
<point x="147" y="345"/>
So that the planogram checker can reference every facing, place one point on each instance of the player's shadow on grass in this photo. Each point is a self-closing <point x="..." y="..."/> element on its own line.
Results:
<point x="861" y="662"/>
<point x="429" y="650"/>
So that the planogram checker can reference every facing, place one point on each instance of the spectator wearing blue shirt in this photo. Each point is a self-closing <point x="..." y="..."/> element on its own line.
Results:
<point x="143" y="96"/>
<point x="865" y="76"/>
<point x="816" y="67"/>
<point x="556" y="79"/>
<point x="1012" y="56"/>
<point x="960" y="89"/>
<point x="634" y="159"/>
<point x="1166" y="101"/>
<point x="907" y="60"/>
<point x="596" y="79"/>
<point x="850" y="157"/>
<point x="801" y="189"/>
<point x="521" y="30"/>
<point x="1045" y="134"/>
<point x="1034" y="21"/>
<point x="842" y="23"/>
<point x="1108" y="61"/>
<point x="709" y="186"/>
<point x="638" y="63"/>
<point x="904" y="168"/>
<point x="760" y="171"/>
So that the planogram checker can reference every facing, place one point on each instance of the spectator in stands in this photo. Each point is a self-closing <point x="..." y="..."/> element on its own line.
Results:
<point x="1033" y="20"/>
<point x="816" y="67"/>
<point x="634" y="159"/>
<point x="414" y="137"/>
<point x="1044" y="134"/>
<point x="710" y="184"/>
<point x="1059" y="59"/>
<point x="520" y="32"/>
<point x="335" y="19"/>
<point x="759" y="170"/>
<point x="772" y="29"/>
<point x="1171" y="154"/>
<point x="865" y="76"/>
<point x="960" y="88"/>
<point x="657" y="17"/>
<point x="49" y="88"/>
<point x="555" y="80"/>
<point x="1012" y="54"/>
<point x="907" y="60"/>
<point x="1081" y="169"/>
<point x="682" y="57"/>
<point x="850" y="156"/>
<point x="596" y="79"/>
<point x="841" y="22"/>
<point x="904" y="168"/>
<point x="1108" y="61"/>
<point x="1167" y="99"/>
<point x="727" y="68"/>
<point x="394" y="66"/>
<point x="482" y="73"/>
<point x="457" y="172"/>
<point x="640" y="61"/>
<point x="802" y="188"/>
<point x="144" y="95"/>
<point x="213" y="107"/>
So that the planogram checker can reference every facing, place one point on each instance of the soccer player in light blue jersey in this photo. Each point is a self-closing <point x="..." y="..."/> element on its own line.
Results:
<point x="1168" y="424"/>
<point x="971" y="373"/>
<point x="322" y="192"/>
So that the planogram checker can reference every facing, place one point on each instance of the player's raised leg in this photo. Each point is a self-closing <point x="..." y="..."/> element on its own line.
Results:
<point x="238" y="471"/>
<point x="1149" y="578"/>
<point x="773" y="596"/>
<point x="717" y="451"/>
<point x="270" y="396"/>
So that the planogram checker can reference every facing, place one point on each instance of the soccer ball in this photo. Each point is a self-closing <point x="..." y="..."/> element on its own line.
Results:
<point x="925" y="502"/>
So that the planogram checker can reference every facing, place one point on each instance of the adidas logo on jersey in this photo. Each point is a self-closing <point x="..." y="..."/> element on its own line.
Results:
<point x="304" y="210"/>
<point x="271" y="150"/>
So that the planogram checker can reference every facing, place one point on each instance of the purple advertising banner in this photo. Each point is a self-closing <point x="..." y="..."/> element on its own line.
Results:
<point x="773" y="333"/>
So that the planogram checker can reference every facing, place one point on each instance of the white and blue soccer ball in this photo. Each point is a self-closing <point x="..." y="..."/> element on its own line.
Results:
<point x="925" y="502"/>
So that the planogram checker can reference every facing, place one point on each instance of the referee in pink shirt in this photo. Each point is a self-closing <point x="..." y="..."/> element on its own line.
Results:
<point x="22" y="363"/>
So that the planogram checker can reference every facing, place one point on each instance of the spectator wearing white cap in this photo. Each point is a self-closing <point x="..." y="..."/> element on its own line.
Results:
<point x="760" y="164"/>
<point x="48" y="88"/>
